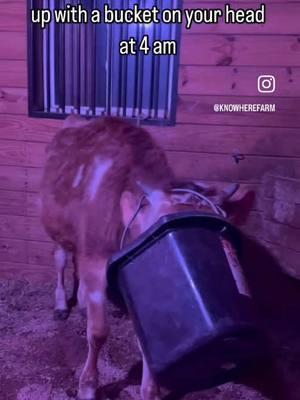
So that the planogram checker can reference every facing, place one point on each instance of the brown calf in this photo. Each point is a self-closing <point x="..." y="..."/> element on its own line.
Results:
<point x="95" y="176"/>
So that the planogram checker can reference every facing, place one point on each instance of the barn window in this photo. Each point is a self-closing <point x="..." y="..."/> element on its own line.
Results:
<point x="78" y="68"/>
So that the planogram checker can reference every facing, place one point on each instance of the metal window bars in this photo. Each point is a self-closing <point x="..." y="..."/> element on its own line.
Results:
<point x="77" y="68"/>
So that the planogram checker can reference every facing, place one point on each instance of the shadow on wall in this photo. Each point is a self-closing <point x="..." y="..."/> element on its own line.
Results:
<point x="277" y="297"/>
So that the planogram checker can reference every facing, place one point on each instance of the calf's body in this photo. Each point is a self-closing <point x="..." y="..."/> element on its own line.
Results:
<point x="90" y="186"/>
<point x="98" y="176"/>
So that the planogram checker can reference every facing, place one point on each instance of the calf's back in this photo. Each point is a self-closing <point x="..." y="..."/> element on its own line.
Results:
<point x="87" y="169"/>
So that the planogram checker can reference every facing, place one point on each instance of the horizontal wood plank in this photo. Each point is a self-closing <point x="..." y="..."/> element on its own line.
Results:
<point x="186" y="164"/>
<point x="31" y="229"/>
<point x="26" y="251"/>
<point x="12" y="202"/>
<point x="20" y="178"/>
<point x="195" y="109"/>
<point x="222" y="167"/>
<point x="200" y="110"/>
<point x="20" y="227"/>
<point x="13" y="73"/>
<point x="236" y="81"/>
<point x="13" y="46"/>
<point x="221" y="139"/>
<point x="13" y="101"/>
<point x="14" y="178"/>
<point x="19" y="127"/>
<point x="13" y="250"/>
<point x="195" y="80"/>
<point x="288" y="261"/>
<point x="19" y="203"/>
<point x="35" y="252"/>
<point x="239" y="50"/>
<point x="13" y="16"/>
<point x="212" y="167"/>
<point x="13" y="153"/>
<point x="23" y="271"/>
<point x="182" y="137"/>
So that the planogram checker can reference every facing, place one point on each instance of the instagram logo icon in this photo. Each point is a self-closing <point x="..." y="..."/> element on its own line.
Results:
<point x="266" y="84"/>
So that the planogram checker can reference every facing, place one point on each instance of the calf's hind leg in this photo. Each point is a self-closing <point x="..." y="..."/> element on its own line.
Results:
<point x="94" y="280"/>
<point x="61" y="308"/>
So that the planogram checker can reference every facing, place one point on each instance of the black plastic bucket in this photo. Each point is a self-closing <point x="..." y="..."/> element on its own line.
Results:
<point x="188" y="299"/>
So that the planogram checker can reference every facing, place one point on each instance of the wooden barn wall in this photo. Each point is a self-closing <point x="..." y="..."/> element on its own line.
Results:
<point x="219" y="64"/>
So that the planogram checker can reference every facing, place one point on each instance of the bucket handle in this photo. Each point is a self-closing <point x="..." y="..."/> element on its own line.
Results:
<point x="216" y="209"/>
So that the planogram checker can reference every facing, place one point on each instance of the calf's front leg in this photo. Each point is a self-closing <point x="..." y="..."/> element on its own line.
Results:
<point x="79" y="293"/>
<point x="94" y="281"/>
<point x="149" y="388"/>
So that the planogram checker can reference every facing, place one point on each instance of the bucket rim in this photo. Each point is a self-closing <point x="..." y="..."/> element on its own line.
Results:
<point x="163" y="226"/>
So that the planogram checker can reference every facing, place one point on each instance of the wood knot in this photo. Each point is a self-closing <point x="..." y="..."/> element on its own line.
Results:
<point x="230" y="38"/>
<point x="225" y="61"/>
<point x="184" y="82"/>
<point x="238" y="157"/>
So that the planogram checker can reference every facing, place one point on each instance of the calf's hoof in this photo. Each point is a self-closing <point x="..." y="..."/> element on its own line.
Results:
<point x="83" y="312"/>
<point x="150" y="393"/>
<point x="86" y="393"/>
<point x="60" y="315"/>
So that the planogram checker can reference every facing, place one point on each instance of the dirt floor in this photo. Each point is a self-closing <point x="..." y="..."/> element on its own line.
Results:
<point x="41" y="359"/>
